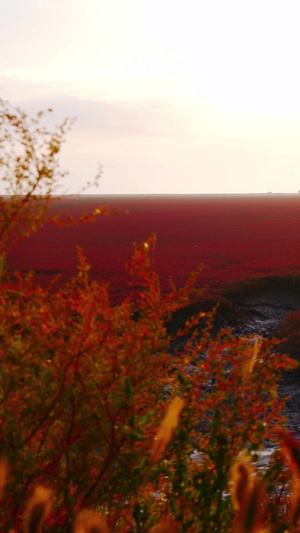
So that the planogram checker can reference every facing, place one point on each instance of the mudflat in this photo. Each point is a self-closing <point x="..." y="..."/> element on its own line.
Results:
<point x="236" y="237"/>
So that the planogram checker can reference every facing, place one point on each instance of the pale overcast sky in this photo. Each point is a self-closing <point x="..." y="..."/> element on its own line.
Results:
<point x="200" y="96"/>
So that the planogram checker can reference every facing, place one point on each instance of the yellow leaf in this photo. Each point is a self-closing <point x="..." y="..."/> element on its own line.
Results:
<point x="165" y="432"/>
<point x="241" y="477"/>
<point x="249" y="365"/>
<point x="37" y="509"/>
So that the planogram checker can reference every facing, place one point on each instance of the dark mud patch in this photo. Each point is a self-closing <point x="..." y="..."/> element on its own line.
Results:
<point x="261" y="303"/>
<point x="253" y="307"/>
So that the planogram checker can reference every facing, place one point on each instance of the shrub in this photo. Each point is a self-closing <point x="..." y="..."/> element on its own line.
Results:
<point x="289" y="326"/>
<point x="97" y="409"/>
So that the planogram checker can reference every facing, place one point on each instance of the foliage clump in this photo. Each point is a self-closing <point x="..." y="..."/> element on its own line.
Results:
<point x="289" y="327"/>
<point x="105" y="428"/>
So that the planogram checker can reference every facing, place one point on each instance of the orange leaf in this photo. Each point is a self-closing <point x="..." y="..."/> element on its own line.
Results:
<point x="165" y="432"/>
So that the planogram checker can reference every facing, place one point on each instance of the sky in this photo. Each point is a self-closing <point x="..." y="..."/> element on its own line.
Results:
<point x="190" y="97"/>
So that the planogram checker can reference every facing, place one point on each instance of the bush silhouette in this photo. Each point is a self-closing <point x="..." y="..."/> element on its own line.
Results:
<point x="290" y="326"/>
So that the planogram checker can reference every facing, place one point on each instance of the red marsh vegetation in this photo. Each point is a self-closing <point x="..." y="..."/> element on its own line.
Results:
<point x="235" y="237"/>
